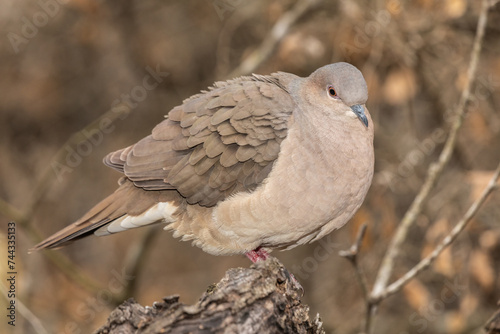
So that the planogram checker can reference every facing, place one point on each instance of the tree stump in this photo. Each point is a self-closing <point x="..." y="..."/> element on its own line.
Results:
<point x="264" y="298"/>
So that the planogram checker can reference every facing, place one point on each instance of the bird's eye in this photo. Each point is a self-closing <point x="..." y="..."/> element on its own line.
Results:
<point x="332" y="92"/>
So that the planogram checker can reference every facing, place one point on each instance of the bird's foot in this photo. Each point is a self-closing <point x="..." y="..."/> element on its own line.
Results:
<point x="257" y="255"/>
<point x="260" y="254"/>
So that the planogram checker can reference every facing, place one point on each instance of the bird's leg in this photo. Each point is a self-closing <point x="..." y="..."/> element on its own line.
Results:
<point x="257" y="255"/>
<point x="260" y="254"/>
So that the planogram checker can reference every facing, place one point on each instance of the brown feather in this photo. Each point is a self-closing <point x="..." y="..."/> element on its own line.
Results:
<point x="228" y="157"/>
<point x="225" y="129"/>
<point x="202" y="153"/>
<point x="213" y="145"/>
<point x="127" y="199"/>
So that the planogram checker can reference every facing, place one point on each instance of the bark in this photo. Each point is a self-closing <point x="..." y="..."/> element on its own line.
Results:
<point x="264" y="298"/>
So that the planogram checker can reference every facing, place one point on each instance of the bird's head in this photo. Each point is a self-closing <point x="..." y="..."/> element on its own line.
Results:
<point x="338" y="88"/>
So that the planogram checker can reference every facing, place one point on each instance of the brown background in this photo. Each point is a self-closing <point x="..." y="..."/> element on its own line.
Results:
<point x="61" y="76"/>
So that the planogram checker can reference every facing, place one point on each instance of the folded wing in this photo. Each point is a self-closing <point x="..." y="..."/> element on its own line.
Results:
<point x="216" y="143"/>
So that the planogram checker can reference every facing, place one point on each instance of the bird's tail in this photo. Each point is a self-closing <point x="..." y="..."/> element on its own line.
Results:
<point x="128" y="207"/>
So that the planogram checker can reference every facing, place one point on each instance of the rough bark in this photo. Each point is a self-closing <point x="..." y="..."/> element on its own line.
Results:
<point x="264" y="298"/>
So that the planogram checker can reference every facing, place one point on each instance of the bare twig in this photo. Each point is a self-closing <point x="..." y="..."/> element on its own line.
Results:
<point x="494" y="2"/>
<point x="427" y="261"/>
<point x="352" y="255"/>
<point x="493" y="324"/>
<point x="26" y="313"/>
<point x="435" y="169"/>
<point x="10" y="211"/>
<point x="353" y="251"/>
<point x="75" y="139"/>
<point x="224" y="49"/>
<point x="134" y="262"/>
<point x="279" y="30"/>
<point x="380" y="290"/>
<point x="24" y="219"/>
<point x="47" y="179"/>
<point x="62" y="262"/>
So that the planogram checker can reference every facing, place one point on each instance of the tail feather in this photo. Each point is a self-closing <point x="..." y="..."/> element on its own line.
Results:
<point x="127" y="200"/>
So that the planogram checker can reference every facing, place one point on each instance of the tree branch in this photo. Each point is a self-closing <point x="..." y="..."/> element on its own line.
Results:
<point x="24" y="219"/>
<point x="279" y="30"/>
<point x="25" y="312"/>
<point x="459" y="227"/>
<point x="260" y="299"/>
<point x="351" y="254"/>
<point x="134" y="262"/>
<point x="435" y="169"/>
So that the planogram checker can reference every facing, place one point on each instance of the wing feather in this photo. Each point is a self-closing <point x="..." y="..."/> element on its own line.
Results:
<point x="216" y="143"/>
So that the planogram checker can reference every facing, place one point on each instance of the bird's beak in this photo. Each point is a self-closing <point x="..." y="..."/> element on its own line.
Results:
<point x="359" y="110"/>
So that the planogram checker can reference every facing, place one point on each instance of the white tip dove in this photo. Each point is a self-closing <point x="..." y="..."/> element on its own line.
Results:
<point x="252" y="164"/>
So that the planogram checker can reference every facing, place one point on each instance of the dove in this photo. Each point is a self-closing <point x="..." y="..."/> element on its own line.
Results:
<point x="252" y="164"/>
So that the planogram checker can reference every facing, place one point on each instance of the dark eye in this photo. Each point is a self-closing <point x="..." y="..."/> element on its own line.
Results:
<point x="332" y="91"/>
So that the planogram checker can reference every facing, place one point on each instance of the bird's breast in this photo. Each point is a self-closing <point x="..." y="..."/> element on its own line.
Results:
<point x="315" y="182"/>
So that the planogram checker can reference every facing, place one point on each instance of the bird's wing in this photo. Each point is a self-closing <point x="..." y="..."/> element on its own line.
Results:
<point x="216" y="143"/>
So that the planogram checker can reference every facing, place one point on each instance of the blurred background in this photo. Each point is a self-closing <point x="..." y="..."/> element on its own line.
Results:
<point x="68" y="67"/>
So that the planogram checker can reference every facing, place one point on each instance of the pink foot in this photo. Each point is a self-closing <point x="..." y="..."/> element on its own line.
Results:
<point x="257" y="255"/>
